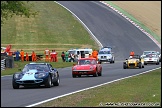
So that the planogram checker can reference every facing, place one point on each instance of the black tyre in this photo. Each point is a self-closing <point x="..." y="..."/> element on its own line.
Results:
<point x="96" y="74"/>
<point x="57" y="82"/>
<point x="73" y="75"/>
<point x="48" y="84"/>
<point x="139" y="65"/>
<point x="79" y="75"/>
<point x="100" y="74"/>
<point x="15" y="85"/>
<point x="124" y="66"/>
<point x="157" y="63"/>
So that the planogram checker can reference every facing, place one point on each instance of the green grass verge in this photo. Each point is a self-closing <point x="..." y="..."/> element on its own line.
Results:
<point x="155" y="36"/>
<point x="145" y="88"/>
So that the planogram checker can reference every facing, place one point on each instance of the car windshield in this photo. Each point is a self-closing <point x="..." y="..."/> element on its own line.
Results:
<point x="150" y="56"/>
<point x="36" y="66"/>
<point x="149" y="52"/>
<point x="85" y="62"/>
<point x="104" y="52"/>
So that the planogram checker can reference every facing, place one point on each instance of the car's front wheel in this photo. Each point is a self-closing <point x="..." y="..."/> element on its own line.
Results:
<point x="48" y="84"/>
<point x="15" y="85"/>
<point x="57" y="82"/>
<point x="74" y="76"/>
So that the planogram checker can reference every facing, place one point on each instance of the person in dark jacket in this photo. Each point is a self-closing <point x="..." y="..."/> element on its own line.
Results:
<point x="17" y="53"/>
<point x="63" y="56"/>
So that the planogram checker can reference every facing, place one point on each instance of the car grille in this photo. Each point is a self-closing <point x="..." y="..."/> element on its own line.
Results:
<point x="103" y="56"/>
<point x="131" y="64"/>
<point x="29" y="81"/>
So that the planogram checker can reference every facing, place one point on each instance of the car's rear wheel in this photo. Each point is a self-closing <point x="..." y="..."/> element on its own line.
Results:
<point x="15" y="85"/>
<point x="48" y="84"/>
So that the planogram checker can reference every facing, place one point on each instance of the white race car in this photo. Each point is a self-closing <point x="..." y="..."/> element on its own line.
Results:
<point x="151" y="52"/>
<point x="151" y="59"/>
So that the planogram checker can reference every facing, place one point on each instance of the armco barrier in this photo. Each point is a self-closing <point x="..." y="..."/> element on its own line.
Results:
<point x="3" y="64"/>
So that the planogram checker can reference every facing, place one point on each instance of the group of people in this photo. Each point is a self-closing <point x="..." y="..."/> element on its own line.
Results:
<point x="50" y="56"/>
<point x="65" y="56"/>
<point x="21" y="55"/>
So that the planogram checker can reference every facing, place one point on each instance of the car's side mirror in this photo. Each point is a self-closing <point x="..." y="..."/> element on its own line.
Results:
<point x="99" y="62"/>
<point x="20" y="69"/>
<point x="74" y="64"/>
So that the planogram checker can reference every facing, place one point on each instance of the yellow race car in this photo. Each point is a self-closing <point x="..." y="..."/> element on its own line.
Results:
<point x="133" y="62"/>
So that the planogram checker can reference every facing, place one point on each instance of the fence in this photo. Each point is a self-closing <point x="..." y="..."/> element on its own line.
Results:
<point x="3" y="64"/>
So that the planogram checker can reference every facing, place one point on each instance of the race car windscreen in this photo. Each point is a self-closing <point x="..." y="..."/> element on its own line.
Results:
<point x="104" y="52"/>
<point x="35" y="66"/>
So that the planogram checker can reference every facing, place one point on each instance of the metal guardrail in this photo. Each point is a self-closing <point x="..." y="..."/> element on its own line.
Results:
<point x="3" y="64"/>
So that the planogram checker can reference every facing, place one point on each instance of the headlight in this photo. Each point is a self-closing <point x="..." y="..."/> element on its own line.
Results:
<point x="40" y="75"/>
<point x="74" y="68"/>
<point x="16" y="76"/>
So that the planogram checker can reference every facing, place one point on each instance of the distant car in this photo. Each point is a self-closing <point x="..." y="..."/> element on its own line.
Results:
<point x="36" y="74"/>
<point x="133" y="62"/>
<point x="106" y="55"/>
<point x="151" y="59"/>
<point x="87" y="66"/>
<point x="152" y="52"/>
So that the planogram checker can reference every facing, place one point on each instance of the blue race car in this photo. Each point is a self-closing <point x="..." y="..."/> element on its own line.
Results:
<point x="36" y="74"/>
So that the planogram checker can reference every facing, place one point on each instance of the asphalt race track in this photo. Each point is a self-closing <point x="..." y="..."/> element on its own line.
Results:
<point x="110" y="29"/>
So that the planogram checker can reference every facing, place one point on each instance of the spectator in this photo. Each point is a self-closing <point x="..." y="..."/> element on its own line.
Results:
<point x="47" y="54"/>
<point x="33" y="56"/>
<point x="27" y="57"/>
<point x="22" y="55"/>
<point x="63" y="56"/>
<point x="66" y="56"/>
<point x="52" y="56"/>
<point x="17" y="53"/>
<point x="95" y="54"/>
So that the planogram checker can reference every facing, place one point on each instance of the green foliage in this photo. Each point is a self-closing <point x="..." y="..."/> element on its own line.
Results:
<point x="10" y="8"/>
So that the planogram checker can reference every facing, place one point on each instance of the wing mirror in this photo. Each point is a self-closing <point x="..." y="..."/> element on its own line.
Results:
<point x="20" y="69"/>
<point x="74" y="64"/>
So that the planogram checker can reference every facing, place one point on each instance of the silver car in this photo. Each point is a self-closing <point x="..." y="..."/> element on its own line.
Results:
<point x="151" y="59"/>
<point x="151" y="52"/>
<point x="105" y="55"/>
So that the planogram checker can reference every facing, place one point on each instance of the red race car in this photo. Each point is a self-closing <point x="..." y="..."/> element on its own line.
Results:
<point x="87" y="66"/>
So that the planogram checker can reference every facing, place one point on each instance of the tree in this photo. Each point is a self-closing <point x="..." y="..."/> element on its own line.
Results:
<point x="10" y="8"/>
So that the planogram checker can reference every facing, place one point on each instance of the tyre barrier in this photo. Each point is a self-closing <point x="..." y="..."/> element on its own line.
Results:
<point x="3" y="64"/>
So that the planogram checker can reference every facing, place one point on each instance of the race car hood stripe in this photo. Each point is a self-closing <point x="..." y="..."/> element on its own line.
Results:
<point x="29" y="75"/>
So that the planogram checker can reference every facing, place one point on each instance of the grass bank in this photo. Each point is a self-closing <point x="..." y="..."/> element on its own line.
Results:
<point x="54" y="28"/>
<point x="145" y="88"/>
